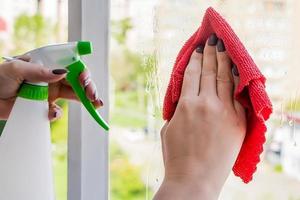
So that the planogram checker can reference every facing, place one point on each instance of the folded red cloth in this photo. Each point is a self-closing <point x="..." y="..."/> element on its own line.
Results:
<point x="250" y="91"/>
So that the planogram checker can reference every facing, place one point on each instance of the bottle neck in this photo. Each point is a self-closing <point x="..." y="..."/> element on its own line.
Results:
<point x="33" y="92"/>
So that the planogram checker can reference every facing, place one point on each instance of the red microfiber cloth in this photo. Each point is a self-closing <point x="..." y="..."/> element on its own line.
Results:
<point x="250" y="91"/>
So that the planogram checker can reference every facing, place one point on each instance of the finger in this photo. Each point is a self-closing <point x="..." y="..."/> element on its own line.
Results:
<point x="32" y="72"/>
<point x="98" y="103"/>
<point x="55" y="112"/>
<point x="84" y="78"/>
<point x="209" y="69"/>
<point x="25" y="58"/>
<point x="85" y="81"/>
<point x="66" y="92"/>
<point x="238" y="107"/>
<point x="64" y="82"/>
<point x="192" y="74"/>
<point x="59" y="90"/>
<point x="91" y="92"/>
<point x="224" y="75"/>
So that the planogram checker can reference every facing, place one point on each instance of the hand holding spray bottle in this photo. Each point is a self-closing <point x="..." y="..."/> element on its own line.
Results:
<point x="25" y="145"/>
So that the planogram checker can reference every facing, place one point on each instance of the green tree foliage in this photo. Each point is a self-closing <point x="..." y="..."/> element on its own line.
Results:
<point x="120" y="29"/>
<point x="135" y="79"/>
<point x="125" y="178"/>
<point x="31" y="32"/>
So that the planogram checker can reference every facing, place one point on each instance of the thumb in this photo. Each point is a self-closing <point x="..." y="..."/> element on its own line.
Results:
<point x="37" y="73"/>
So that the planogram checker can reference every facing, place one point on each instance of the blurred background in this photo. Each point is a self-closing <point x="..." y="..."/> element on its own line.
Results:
<point x="145" y="39"/>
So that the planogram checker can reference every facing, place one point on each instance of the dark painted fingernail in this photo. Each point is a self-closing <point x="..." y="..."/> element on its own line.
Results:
<point x="212" y="40"/>
<point x="101" y="102"/>
<point x="200" y="49"/>
<point x="59" y="71"/>
<point x="55" y="114"/>
<point x="235" y="70"/>
<point x="220" y="46"/>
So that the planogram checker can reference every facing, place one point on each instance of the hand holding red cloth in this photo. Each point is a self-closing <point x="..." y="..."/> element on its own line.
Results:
<point x="250" y="91"/>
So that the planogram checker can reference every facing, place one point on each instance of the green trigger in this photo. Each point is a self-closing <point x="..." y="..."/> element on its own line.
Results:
<point x="75" y="69"/>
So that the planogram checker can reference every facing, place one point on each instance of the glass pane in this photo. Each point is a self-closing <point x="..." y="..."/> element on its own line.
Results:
<point x="28" y="24"/>
<point x="145" y="39"/>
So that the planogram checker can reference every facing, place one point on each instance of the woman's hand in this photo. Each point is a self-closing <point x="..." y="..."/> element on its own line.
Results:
<point x="202" y="140"/>
<point x="14" y="73"/>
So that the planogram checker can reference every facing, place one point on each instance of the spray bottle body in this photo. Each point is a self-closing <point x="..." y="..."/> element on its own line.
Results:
<point x="25" y="153"/>
<point x="25" y="144"/>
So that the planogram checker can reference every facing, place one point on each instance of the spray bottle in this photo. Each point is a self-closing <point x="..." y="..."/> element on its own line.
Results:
<point x="25" y="145"/>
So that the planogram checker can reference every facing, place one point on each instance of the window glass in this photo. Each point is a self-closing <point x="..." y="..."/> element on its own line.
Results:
<point x="145" y="39"/>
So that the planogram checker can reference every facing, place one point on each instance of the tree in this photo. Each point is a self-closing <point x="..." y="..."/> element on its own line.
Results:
<point x="31" y="32"/>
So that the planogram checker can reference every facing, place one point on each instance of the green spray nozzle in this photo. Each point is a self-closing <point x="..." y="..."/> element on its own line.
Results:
<point x="72" y="77"/>
<point x="75" y="69"/>
<point x="62" y="56"/>
<point x="84" y="47"/>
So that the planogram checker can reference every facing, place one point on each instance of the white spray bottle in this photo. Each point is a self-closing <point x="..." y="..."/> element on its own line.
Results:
<point x="25" y="145"/>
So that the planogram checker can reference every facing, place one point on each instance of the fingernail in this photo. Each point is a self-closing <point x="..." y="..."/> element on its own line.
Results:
<point x="220" y="46"/>
<point x="55" y="114"/>
<point x="59" y="71"/>
<point x="101" y="102"/>
<point x="235" y="70"/>
<point x="86" y="82"/>
<point x="200" y="49"/>
<point x="212" y="40"/>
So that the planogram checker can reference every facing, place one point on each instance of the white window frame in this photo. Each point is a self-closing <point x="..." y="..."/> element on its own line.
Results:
<point x="88" y="144"/>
